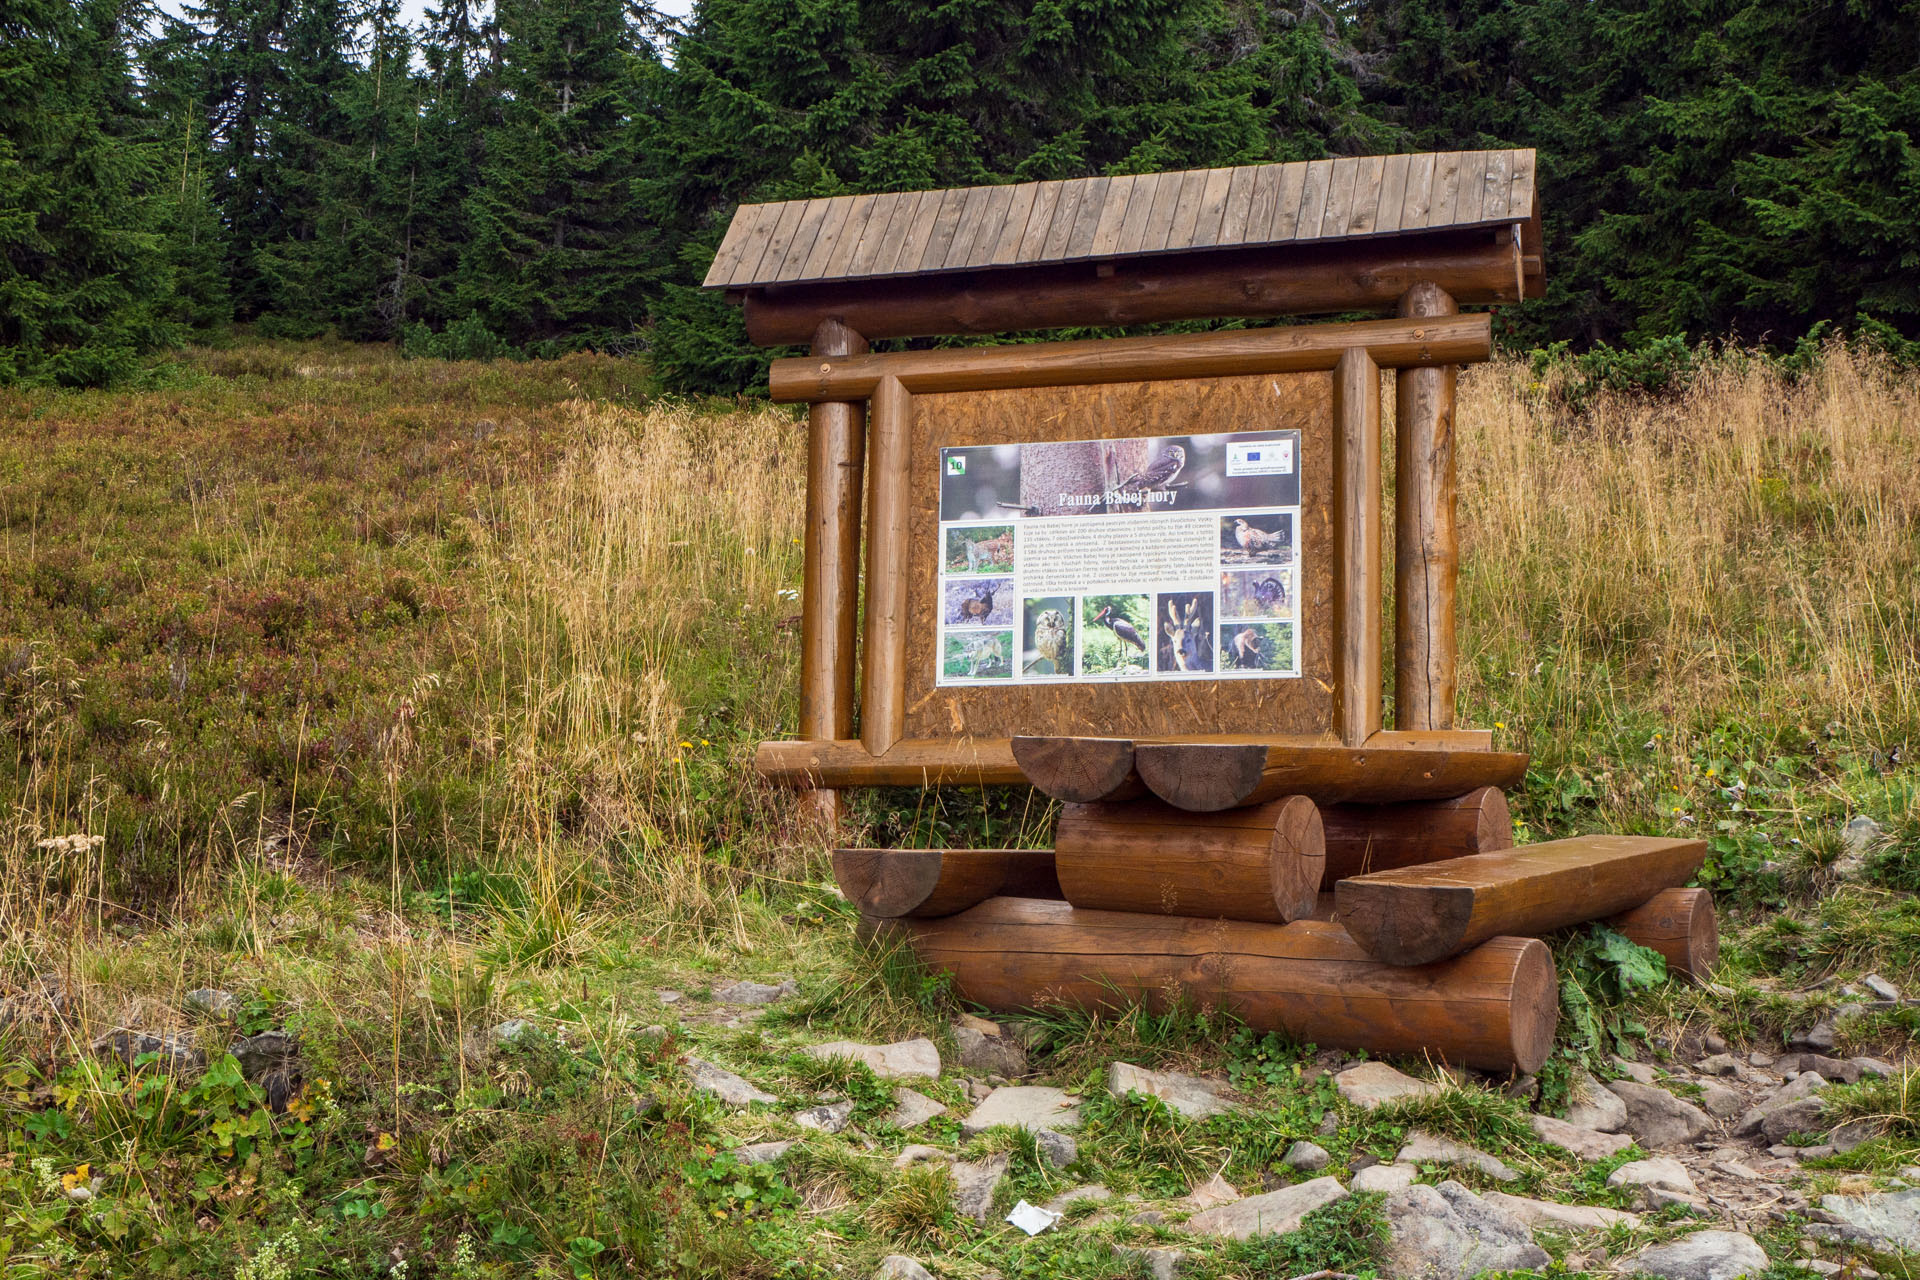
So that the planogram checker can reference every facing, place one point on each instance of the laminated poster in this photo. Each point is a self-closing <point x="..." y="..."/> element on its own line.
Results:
<point x="1148" y="558"/>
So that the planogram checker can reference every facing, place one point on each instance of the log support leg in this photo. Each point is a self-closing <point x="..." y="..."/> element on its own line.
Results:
<point x="1426" y="548"/>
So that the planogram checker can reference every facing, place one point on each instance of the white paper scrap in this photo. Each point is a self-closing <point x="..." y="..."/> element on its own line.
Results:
<point x="1031" y="1218"/>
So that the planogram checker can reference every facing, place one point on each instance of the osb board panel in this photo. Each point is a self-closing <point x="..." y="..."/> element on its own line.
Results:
<point x="1267" y="402"/>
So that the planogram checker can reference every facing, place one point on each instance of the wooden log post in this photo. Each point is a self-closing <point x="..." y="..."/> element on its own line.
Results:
<point x="1494" y="1007"/>
<point x="836" y="451"/>
<point x="1258" y="863"/>
<point x="1079" y="770"/>
<point x="883" y="706"/>
<point x="1210" y="776"/>
<point x="1681" y="925"/>
<point x="1426" y="560"/>
<point x="1417" y="915"/>
<point x="1363" y="838"/>
<point x="1356" y="535"/>
<point x="924" y="883"/>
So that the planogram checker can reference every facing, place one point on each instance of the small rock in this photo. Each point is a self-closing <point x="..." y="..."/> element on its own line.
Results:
<point x="1192" y="1096"/>
<point x="1590" y="1106"/>
<point x="1881" y="1220"/>
<point x="918" y="1153"/>
<point x="1806" y="1085"/>
<point x="988" y="1053"/>
<point x="1721" y="1102"/>
<point x="1881" y="988"/>
<point x="1274" y="1213"/>
<point x="905" y="1060"/>
<point x="1658" y="1119"/>
<point x="1759" y="1059"/>
<point x="211" y="1001"/>
<point x="1329" y="1125"/>
<point x="1078" y="1195"/>
<point x="1713" y="1043"/>
<point x="1560" y="1217"/>
<point x="1388" y="1178"/>
<point x="1057" y="1149"/>
<point x="1704" y="1255"/>
<point x="1448" y="1233"/>
<point x="1161" y="1264"/>
<point x="898" y="1266"/>
<point x="724" y="1085"/>
<point x="1873" y="1066"/>
<point x="267" y="1052"/>
<point x="1308" y="1156"/>
<point x="830" y="1117"/>
<point x="1425" y="1148"/>
<point x="1838" y="1070"/>
<point x="1588" y="1144"/>
<point x="913" y="1109"/>
<point x="175" y="1050"/>
<point x="1638" y="1072"/>
<point x="1852" y="1134"/>
<point x="669" y="997"/>
<point x="1662" y="1179"/>
<point x="1860" y="837"/>
<point x="1720" y="1064"/>
<point x="1802" y="1116"/>
<point x="1372" y="1084"/>
<point x="1735" y="1169"/>
<point x="1525" y="1089"/>
<point x="984" y="1026"/>
<point x="1024" y="1107"/>
<point x="745" y="992"/>
<point x="762" y="1152"/>
<point x="1214" y="1191"/>
<point x="978" y="1090"/>
<point x="973" y="1185"/>
<point x="1819" y="1037"/>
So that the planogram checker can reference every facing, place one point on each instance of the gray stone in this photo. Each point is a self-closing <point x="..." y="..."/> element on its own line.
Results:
<point x="1881" y="988"/>
<point x="1873" y="1066"/>
<point x="1373" y="1084"/>
<point x="1448" y="1233"/>
<point x="665" y="996"/>
<point x="1720" y="1064"/>
<point x="913" y="1109"/>
<point x="1819" y="1037"/>
<point x="1591" y="1106"/>
<point x="1662" y="1179"/>
<point x="1560" y="1217"/>
<point x="990" y="1054"/>
<point x="1525" y="1089"/>
<point x="1712" y="1042"/>
<point x="1759" y="1059"/>
<point x="1721" y="1102"/>
<point x="905" y="1060"/>
<point x="1274" y="1213"/>
<point x="724" y="1085"/>
<point x="1308" y="1156"/>
<point x="211" y="1001"/>
<point x="1852" y="1134"/>
<point x="267" y="1052"/>
<point x="1801" y="1116"/>
<point x="745" y="992"/>
<point x="762" y="1152"/>
<point x="898" y="1266"/>
<point x="1427" y="1148"/>
<point x="1806" y="1085"/>
<point x="1162" y="1264"/>
<point x="1588" y="1144"/>
<point x="510" y="1032"/>
<point x="1078" y="1195"/>
<point x="1704" y="1255"/>
<point x="1884" y="1219"/>
<point x="1838" y="1070"/>
<point x="1057" y="1149"/>
<point x="1658" y="1119"/>
<point x="1388" y="1178"/>
<point x="1214" y="1191"/>
<point x="1024" y="1106"/>
<point x="1861" y="835"/>
<point x="973" y="1185"/>
<point x="1638" y="1072"/>
<point x="1192" y="1096"/>
<point x="918" y="1153"/>
<point x="174" y="1050"/>
<point x="1329" y="1124"/>
<point x="830" y="1117"/>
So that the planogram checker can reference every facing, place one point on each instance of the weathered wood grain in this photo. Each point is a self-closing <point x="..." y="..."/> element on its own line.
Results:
<point x="928" y="883"/>
<point x="1207" y="777"/>
<point x="1079" y="770"/>
<point x="1363" y="838"/>
<point x="883" y="653"/>
<point x="1356" y="525"/>
<point x="1681" y="924"/>
<point x="1426" y="562"/>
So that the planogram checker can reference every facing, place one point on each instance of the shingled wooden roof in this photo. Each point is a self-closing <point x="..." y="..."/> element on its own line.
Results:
<point x="1036" y="223"/>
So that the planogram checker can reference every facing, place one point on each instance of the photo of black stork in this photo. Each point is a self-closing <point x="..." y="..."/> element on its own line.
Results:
<point x="1120" y="627"/>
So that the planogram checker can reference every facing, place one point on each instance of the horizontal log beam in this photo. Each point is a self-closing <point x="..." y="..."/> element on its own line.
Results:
<point x="1473" y="267"/>
<point x="1210" y="776"/>
<point x="890" y="883"/>
<point x="1393" y="344"/>
<point x="1259" y="863"/>
<point x="1327" y="772"/>
<point x="1494" y="1007"/>
<point x="1363" y="838"/>
<point x="1417" y="915"/>
<point x="1681" y="924"/>
<point x="1079" y="770"/>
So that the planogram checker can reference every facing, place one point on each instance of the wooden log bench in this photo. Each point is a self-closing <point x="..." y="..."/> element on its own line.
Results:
<point x="1681" y="925"/>
<point x="923" y="883"/>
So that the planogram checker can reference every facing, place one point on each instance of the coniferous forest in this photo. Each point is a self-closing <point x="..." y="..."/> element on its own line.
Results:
<point x="541" y="176"/>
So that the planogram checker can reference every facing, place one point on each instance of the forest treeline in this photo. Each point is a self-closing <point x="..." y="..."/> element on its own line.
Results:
<point x="543" y="175"/>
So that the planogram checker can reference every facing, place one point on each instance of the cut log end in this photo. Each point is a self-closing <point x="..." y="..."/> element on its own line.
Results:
<point x="1681" y="924"/>
<point x="1536" y="1006"/>
<point x="926" y="883"/>
<point x="1399" y="928"/>
<point x="1204" y="777"/>
<point x="1079" y="770"/>
<point x="1299" y="858"/>
<point x="1493" y="829"/>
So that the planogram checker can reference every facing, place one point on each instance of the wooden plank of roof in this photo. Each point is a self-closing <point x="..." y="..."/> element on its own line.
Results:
<point x="874" y="237"/>
<point x="1365" y="206"/>
<point x="1213" y="206"/>
<point x="1061" y="229"/>
<point x="1113" y="216"/>
<point x="777" y="240"/>
<point x="1146" y="194"/>
<point x="1286" y="200"/>
<point x="1013" y="224"/>
<point x="946" y="221"/>
<point x="1393" y="194"/>
<point x="1446" y="183"/>
<point x="986" y="229"/>
<point x="1186" y="210"/>
<point x="966" y="226"/>
<point x="1233" y="218"/>
<point x="1339" y="196"/>
<point x="1266" y="184"/>
<point x="1493" y="191"/>
<point x="1033" y="241"/>
<point x="1520" y="197"/>
<point x="1419" y="203"/>
<point x="918" y="231"/>
<point x="740" y="233"/>
<point x="825" y="241"/>
<point x="1092" y="204"/>
<point x="1473" y="186"/>
<point x="803" y="238"/>
<point x="859" y="209"/>
<point x="892" y="255"/>
<point x="1313" y="199"/>
<point x="1166" y="199"/>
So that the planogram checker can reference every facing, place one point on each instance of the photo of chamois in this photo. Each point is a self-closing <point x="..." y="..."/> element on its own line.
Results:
<point x="977" y="602"/>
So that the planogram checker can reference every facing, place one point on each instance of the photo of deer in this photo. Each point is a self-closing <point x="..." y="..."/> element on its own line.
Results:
<point x="1257" y="539"/>
<point x="977" y="602"/>
<point x="1256" y="593"/>
<point x="1184" y="631"/>
<point x="1256" y="646"/>
<point x="982" y="549"/>
<point x="978" y="655"/>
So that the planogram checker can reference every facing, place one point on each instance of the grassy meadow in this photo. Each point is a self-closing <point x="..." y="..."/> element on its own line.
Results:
<point x="401" y="698"/>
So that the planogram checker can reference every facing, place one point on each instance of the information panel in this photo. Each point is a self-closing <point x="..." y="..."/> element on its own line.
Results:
<point x="1178" y="561"/>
